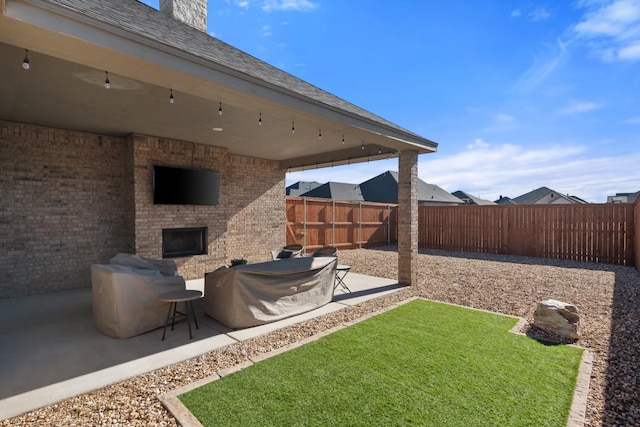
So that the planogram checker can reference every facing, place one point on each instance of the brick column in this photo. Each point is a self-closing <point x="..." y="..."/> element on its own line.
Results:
<point x="408" y="218"/>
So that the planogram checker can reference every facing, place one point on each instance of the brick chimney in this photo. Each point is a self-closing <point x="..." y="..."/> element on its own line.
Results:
<point x="191" y="12"/>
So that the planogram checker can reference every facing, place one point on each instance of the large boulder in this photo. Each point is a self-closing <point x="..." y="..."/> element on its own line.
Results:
<point x="558" y="318"/>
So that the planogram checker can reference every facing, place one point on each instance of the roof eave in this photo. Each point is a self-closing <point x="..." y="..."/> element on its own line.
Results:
<point x="178" y="60"/>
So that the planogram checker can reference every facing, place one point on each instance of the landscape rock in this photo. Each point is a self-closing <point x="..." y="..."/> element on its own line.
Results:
<point x="558" y="318"/>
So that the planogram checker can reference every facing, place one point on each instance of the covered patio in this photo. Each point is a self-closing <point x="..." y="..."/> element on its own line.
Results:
<point x="95" y="95"/>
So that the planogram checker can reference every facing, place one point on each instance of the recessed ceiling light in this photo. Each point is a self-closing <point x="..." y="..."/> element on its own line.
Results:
<point x="217" y="129"/>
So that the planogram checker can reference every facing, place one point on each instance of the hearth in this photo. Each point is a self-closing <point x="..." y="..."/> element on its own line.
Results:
<point x="179" y="242"/>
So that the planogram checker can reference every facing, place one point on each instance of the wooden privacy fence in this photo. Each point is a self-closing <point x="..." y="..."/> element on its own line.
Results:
<point x="604" y="233"/>
<point x="315" y="223"/>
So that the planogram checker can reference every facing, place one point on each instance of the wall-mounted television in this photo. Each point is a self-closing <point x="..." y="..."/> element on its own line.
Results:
<point x="184" y="186"/>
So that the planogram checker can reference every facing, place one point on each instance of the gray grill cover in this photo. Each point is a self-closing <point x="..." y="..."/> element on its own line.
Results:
<point x="254" y="294"/>
<point x="125" y="299"/>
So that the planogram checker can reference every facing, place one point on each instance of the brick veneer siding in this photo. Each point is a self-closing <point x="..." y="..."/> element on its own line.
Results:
<point x="71" y="199"/>
<point x="67" y="202"/>
<point x="248" y="221"/>
<point x="408" y="218"/>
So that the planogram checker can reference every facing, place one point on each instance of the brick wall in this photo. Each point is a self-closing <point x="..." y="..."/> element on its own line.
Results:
<point x="70" y="199"/>
<point x="67" y="202"/>
<point x="248" y="221"/>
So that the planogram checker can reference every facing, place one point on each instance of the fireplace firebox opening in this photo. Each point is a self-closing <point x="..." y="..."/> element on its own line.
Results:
<point x="179" y="242"/>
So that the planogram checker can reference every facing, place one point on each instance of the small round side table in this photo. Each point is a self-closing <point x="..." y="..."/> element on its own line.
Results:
<point x="173" y="298"/>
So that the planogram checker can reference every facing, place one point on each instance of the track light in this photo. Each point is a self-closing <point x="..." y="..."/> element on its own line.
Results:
<point x="107" y="84"/>
<point x="342" y="139"/>
<point x="293" y="127"/>
<point x="171" y="100"/>
<point x="260" y="119"/>
<point x="25" y="61"/>
<point x="319" y="133"/>
<point x="220" y="109"/>
<point x="362" y="145"/>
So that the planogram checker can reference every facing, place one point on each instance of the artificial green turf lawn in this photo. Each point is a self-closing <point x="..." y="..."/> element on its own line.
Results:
<point x="421" y="364"/>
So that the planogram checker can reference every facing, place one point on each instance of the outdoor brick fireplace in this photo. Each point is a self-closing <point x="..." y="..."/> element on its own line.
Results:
<point x="179" y="242"/>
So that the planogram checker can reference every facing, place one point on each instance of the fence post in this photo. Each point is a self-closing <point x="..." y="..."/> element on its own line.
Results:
<point x="360" y="225"/>
<point x="388" y="225"/>
<point x="636" y="230"/>
<point x="304" y="223"/>
<point x="333" y="222"/>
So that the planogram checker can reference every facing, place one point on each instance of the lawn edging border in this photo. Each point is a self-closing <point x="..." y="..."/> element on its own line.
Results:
<point x="577" y="411"/>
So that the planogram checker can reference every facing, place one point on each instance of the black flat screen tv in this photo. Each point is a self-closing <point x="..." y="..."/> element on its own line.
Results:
<point x="183" y="186"/>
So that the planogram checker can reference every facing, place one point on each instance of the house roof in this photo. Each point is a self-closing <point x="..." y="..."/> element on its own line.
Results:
<point x="146" y="53"/>
<point x="471" y="199"/>
<point x="534" y="196"/>
<point x="504" y="200"/>
<point x="623" y="197"/>
<point x="577" y="199"/>
<point x="336" y="191"/>
<point x="384" y="188"/>
<point x="301" y="187"/>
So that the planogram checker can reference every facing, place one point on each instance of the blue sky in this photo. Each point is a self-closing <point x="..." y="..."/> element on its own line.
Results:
<point x="518" y="94"/>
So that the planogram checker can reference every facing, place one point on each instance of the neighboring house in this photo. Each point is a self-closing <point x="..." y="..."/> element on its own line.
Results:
<point x="97" y="96"/>
<point x="301" y="187"/>
<point x="470" y="199"/>
<point x="504" y="200"/>
<point x="577" y="199"/>
<point x="546" y="196"/>
<point x="623" y="198"/>
<point x="384" y="189"/>
<point x="336" y="191"/>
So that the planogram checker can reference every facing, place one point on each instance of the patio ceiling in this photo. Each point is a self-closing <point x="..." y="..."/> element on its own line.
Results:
<point x="69" y="53"/>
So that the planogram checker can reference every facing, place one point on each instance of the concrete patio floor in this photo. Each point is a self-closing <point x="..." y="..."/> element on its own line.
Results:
<point x="50" y="349"/>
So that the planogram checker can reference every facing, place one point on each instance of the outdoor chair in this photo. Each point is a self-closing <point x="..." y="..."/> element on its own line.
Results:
<point x="289" y="251"/>
<point x="326" y="251"/>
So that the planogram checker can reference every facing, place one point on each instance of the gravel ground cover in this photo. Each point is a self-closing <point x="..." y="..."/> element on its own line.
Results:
<point x="608" y="298"/>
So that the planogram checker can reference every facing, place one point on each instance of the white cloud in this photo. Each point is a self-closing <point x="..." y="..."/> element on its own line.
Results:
<point x="539" y="14"/>
<point x="542" y="67"/>
<point x="488" y="171"/>
<point x="505" y="118"/>
<point x="244" y="4"/>
<point x="295" y="5"/>
<point x="632" y="121"/>
<point x="478" y="143"/>
<point x="630" y="52"/>
<point x="576" y="107"/>
<point x="266" y="30"/>
<point x="612" y="29"/>
<point x="501" y="122"/>
<point x="535" y="15"/>
<point x="512" y="170"/>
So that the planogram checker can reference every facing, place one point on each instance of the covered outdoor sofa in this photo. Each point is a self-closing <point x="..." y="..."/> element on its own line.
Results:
<point x="255" y="294"/>
<point x="126" y="294"/>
